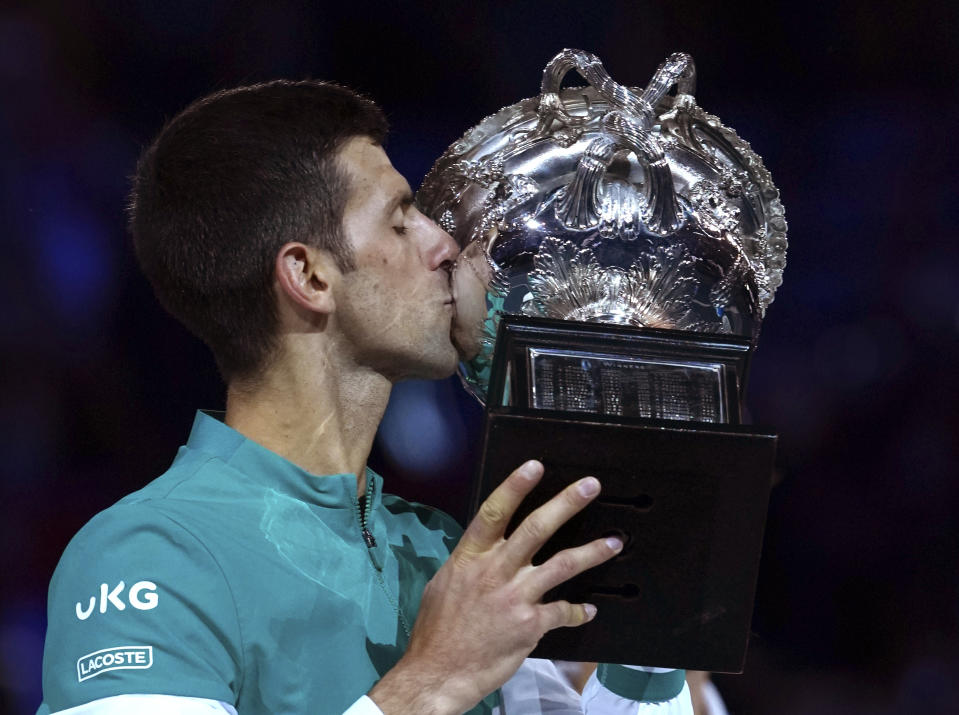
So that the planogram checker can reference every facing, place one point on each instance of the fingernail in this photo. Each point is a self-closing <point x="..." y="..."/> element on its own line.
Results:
<point x="614" y="544"/>
<point x="590" y="611"/>
<point x="588" y="487"/>
<point x="530" y="469"/>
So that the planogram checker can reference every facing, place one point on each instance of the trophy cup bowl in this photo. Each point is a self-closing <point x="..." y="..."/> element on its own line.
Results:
<point x="620" y="247"/>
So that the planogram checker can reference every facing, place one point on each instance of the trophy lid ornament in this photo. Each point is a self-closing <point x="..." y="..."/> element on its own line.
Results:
<point x="607" y="204"/>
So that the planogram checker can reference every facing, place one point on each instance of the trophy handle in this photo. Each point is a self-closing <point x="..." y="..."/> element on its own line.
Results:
<point x="579" y="205"/>
<point x="679" y="69"/>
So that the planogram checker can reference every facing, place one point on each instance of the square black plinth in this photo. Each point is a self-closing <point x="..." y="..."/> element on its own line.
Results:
<point x="690" y="501"/>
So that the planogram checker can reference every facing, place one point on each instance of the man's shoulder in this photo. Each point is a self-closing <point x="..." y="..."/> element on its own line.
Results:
<point x="166" y="521"/>
<point x="194" y="476"/>
<point x="136" y="581"/>
<point x="125" y="542"/>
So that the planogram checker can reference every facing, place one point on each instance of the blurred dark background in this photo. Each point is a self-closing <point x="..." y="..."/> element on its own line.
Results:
<point x="852" y="106"/>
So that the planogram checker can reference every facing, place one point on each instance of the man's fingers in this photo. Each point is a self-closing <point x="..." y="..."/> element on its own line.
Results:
<point x="539" y="526"/>
<point x="563" y="614"/>
<point x="489" y="524"/>
<point x="570" y="562"/>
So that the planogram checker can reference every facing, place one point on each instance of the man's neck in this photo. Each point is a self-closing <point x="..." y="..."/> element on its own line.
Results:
<point x="322" y="418"/>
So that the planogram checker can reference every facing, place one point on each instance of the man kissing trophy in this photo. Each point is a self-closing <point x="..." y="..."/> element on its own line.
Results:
<point x="620" y="247"/>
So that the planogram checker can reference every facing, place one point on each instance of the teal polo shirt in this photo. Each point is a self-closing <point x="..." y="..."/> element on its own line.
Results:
<point x="238" y="576"/>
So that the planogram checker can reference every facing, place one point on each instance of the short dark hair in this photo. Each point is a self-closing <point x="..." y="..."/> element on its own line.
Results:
<point x="224" y="185"/>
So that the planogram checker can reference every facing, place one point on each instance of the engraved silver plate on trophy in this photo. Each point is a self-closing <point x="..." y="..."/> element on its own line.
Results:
<point x="612" y="385"/>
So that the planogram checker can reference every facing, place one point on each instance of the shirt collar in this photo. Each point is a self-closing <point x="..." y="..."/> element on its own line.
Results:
<point x="213" y="436"/>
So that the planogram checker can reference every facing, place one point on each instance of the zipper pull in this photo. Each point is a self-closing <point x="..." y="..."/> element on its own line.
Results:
<point x="368" y="538"/>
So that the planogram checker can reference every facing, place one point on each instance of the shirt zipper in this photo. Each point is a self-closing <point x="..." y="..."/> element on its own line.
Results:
<point x="364" y="514"/>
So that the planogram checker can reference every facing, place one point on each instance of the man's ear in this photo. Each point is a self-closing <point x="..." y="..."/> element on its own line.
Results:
<point x="306" y="275"/>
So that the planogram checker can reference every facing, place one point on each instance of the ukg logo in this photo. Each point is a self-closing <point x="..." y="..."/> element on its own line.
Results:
<point x="142" y="595"/>
<point x="124" y="657"/>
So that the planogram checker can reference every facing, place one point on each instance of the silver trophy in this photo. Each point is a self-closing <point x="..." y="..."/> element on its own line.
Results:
<point x="620" y="247"/>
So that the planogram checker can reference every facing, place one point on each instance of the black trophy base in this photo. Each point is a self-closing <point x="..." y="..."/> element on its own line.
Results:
<point x="689" y="500"/>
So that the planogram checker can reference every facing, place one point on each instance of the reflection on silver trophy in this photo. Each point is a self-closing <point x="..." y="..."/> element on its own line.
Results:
<point x="612" y="205"/>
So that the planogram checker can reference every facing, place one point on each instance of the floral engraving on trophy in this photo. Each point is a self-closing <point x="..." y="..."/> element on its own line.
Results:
<point x="711" y="208"/>
<point x="447" y="221"/>
<point x="507" y="194"/>
<point x="657" y="291"/>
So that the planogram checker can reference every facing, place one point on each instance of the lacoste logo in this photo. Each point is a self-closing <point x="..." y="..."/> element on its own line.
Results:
<point x="142" y="595"/>
<point x="124" y="657"/>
